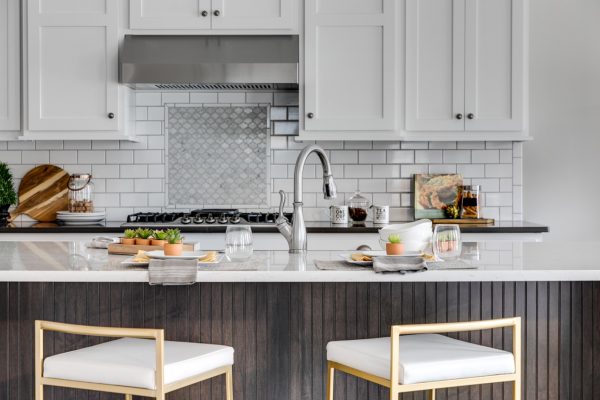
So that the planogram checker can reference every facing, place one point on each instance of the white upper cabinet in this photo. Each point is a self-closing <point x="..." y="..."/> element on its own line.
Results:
<point x="464" y="65"/>
<point x="255" y="14"/>
<point x="350" y="61"/>
<point x="172" y="14"/>
<point x="435" y="57"/>
<point x="10" y="77"/>
<point x="72" y="64"/>
<point x="214" y="14"/>
<point x="494" y="65"/>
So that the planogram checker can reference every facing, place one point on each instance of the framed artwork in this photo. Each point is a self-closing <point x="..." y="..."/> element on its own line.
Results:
<point x="433" y="192"/>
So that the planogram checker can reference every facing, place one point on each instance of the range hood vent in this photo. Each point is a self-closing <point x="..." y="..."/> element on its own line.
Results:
<point x="218" y="86"/>
<point x="248" y="62"/>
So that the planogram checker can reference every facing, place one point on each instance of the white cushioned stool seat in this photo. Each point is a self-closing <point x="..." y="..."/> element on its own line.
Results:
<point x="130" y="362"/>
<point x="423" y="358"/>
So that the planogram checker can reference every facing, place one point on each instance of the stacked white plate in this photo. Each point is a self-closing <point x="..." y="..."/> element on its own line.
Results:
<point x="74" y="218"/>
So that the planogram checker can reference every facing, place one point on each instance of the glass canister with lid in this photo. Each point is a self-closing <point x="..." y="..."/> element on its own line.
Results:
<point x="81" y="190"/>
<point x="358" y="207"/>
<point x="470" y="202"/>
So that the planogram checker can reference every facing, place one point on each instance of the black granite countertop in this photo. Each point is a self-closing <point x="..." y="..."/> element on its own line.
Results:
<point x="312" y="227"/>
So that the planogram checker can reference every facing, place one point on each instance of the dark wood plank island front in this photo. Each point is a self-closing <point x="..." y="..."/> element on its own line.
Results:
<point x="280" y="330"/>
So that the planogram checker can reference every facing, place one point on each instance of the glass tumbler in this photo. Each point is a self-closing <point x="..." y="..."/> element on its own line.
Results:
<point x="238" y="242"/>
<point x="446" y="242"/>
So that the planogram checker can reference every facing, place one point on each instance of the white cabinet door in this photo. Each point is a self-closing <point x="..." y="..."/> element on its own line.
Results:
<point x="435" y="37"/>
<point x="494" y="65"/>
<point x="171" y="14"/>
<point x="255" y="14"/>
<point x="10" y="77"/>
<point x="350" y="59"/>
<point x="72" y="55"/>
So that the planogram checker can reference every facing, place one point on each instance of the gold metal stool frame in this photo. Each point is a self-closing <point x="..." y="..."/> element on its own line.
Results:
<point x="396" y="388"/>
<point x="156" y="334"/>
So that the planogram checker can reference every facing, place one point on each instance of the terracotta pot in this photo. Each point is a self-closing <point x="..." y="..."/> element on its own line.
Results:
<point x="394" y="249"/>
<point x="142" y="242"/>
<point x="128" y="241"/>
<point x="173" y="249"/>
<point x="158" y="242"/>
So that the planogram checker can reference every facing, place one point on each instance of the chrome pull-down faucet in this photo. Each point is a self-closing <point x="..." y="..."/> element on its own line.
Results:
<point x="295" y="232"/>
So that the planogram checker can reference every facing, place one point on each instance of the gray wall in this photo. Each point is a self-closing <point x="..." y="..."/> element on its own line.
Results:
<point x="562" y="164"/>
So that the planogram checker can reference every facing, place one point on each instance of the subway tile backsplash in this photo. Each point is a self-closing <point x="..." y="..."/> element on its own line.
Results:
<point x="131" y="177"/>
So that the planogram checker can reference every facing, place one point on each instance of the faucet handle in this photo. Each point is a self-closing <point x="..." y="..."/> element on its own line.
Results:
<point x="282" y="201"/>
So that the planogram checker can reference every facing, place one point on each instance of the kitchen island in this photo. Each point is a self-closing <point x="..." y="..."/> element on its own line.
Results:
<point x="280" y="317"/>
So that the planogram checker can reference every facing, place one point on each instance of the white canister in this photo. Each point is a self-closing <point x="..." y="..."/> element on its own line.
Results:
<point x="381" y="214"/>
<point x="339" y="214"/>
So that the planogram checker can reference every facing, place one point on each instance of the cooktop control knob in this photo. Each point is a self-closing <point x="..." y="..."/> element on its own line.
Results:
<point x="186" y="219"/>
<point x="235" y="219"/>
<point x="222" y="219"/>
<point x="198" y="220"/>
<point x="210" y="219"/>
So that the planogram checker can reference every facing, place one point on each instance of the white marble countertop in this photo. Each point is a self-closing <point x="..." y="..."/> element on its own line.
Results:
<point x="496" y="261"/>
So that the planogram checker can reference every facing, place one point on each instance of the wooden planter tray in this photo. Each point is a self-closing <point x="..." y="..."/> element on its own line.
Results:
<point x="129" y="249"/>
<point x="471" y="221"/>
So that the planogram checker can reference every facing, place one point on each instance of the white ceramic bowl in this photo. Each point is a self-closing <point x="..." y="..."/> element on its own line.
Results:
<point x="416" y="235"/>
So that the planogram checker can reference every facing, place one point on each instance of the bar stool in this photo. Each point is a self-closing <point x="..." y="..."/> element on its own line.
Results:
<point x="132" y="365"/>
<point x="425" y="360"/>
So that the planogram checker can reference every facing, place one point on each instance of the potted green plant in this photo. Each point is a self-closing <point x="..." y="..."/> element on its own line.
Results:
<point x="174" y="245"/>
<point x="8" y="196"/>
<point x="394" y="245"/>
<point x="159" y="238"/>
<point x="129" y="237"/>
<point x="143" y="236"/>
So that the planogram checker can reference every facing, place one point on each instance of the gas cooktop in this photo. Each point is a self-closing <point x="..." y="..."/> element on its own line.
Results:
<point x="202" y="217"/>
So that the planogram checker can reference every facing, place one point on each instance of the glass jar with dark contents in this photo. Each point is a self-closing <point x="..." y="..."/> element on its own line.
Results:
<point x="358" y="207"/>
<point x="470" y="204"/>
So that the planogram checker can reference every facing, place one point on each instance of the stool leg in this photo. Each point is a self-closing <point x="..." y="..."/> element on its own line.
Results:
<point x="431" y="395"/>
<point x="39" y="392"/>
<point x="517" y="390"/>
<point x="229" y="383"/>
<point x="330" y="376"/>
<point x="128" y="397"/>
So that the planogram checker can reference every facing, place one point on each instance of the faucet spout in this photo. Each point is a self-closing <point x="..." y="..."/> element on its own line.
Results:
<point x="329" y="190"/>
<point x="295" y="233"/>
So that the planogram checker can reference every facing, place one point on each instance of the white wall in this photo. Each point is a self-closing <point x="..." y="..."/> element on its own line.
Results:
<point x="562" y="164"/>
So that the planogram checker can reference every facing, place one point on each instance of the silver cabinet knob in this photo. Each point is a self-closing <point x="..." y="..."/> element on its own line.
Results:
<point x="111" y="115"/>
<point x="216" y="13"/>
<point x="204" y="13"/>
<point x="471" y="116"/>
<point x="310" y="115"/>
<point x="459" y="116"/>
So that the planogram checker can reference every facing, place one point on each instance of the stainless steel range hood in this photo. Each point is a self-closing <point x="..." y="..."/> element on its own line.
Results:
<point x="209" y="62"/>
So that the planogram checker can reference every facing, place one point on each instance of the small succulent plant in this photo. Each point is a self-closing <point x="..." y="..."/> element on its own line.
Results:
<point x="159" y="235"/>
<point x="144" y="233"/>
<point x="173" y="236"/>
<point x="394" y="238"/>
<point x="129" y="234"/>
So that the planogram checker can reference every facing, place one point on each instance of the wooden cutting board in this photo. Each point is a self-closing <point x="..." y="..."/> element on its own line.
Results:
<point x="43" y="191"/>
<point x="470" y="221"/>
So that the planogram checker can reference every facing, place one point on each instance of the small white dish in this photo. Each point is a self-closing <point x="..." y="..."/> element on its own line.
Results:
<point x="69" y="213"/>
<point x="381" y="253"/>
<point x="348" y="258"/>
<point x="92" y="218"/>
<point x="132" y="263"/>
<point x="82" y="223"/>
<point x="186" y="255"/>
